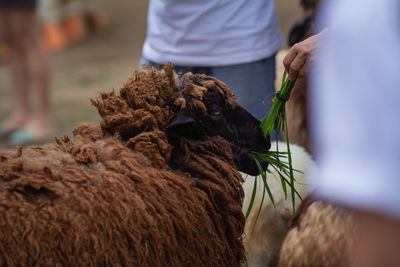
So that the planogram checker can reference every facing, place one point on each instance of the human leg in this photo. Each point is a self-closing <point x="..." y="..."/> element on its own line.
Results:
<point x="39" y="78"/>
<point x="30" y="72"/>
<point x="11" y="30"/>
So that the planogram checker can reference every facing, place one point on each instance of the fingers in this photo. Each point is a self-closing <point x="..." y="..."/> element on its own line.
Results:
<point x="291" y="55"/>
<point x="297" y="64"/>
<point x="295" y="60"/>
<point x="304" y="70"/>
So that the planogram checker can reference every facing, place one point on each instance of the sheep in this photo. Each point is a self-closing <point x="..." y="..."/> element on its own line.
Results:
<point x="263" y="239"/>
<point x="321" y="235"/>
<point x="156" y="183"/>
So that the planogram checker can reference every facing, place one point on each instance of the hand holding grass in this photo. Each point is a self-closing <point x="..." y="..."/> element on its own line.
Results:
<point x="296" y="62"/>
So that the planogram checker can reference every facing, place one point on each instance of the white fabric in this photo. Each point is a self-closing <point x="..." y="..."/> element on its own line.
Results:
<point x="211" y="32"/>
<point x="356" y="105"/>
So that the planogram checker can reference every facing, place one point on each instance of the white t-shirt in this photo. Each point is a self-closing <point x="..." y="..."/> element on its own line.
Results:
<point x="211" y="32"/>
<point x="355" y="109"/>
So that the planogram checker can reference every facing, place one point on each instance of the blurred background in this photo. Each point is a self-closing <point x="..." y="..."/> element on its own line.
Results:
<point x="96" y="47"/>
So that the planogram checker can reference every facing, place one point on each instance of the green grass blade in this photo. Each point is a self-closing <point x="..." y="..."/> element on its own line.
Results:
<point x="291" y="168"/>
<point x="264" y="178"/>
<point x="259" y="210"/>
<point x="284" y="76"/>
<point x="253" y="196"/>
<point x="266" y="186"/>
<point x="286" y="181"/>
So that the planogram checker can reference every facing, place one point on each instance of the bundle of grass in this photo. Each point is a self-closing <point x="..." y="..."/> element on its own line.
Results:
<point x="276" y="120"/>
<point x="155" y="184"/>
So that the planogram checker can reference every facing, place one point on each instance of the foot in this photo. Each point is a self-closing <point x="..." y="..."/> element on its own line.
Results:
<point x="33" y="132"/>
<point x="40" y="127"/>
<point x="13" y="123"/>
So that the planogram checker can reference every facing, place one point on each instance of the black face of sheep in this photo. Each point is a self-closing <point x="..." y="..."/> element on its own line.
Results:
<point x="237" y="126"/>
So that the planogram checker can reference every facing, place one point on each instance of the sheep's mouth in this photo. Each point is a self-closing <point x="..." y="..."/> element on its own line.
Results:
<point x="245" y="163"/>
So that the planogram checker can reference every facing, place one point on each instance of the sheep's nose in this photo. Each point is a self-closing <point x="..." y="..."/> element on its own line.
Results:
<point x="245" y="163"/>
<point x="259" y="143"/>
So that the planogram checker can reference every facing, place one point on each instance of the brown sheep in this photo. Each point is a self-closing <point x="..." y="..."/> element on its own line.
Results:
<point x="320" y="235"/>
<point x="155" y="184"/>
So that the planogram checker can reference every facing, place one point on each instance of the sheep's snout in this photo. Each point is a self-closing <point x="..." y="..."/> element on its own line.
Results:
<point x="245" y="163"/>
<point x="246" y="136"/>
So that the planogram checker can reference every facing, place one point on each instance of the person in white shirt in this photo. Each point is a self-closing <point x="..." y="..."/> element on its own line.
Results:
<point x="355" y="120"/>
<point x="235" y="41"/>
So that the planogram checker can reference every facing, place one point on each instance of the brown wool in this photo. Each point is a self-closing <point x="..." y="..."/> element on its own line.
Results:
<point x="110" y="196"/>
<point x="320" y="236"/>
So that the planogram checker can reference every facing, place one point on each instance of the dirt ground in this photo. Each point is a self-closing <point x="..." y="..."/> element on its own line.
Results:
<point x="104" y="61"/>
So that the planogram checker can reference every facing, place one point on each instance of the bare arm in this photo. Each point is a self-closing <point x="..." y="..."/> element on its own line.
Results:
<point x="377" y="241"/>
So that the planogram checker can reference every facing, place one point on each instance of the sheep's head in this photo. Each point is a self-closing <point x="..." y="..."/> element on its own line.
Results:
<point x="154" y="107"/>
<point x="207" y="108"/>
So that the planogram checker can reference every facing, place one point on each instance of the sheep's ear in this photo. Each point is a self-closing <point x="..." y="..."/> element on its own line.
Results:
<point x="183" y="124"/>
<point x="182" y="117"/>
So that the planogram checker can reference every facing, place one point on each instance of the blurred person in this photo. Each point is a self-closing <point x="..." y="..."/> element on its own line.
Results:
<point x="74" y="21"/>
<point x="234" y="41"/>
<point x="67" y="22"/>
<point x="55" y="35"/>
<point x="20" y="31"/>
<point x="356" y="130"/>
<point x="95" y="15"/>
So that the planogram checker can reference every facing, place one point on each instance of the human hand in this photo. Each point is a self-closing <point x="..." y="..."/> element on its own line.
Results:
<point x="297" y="60"/>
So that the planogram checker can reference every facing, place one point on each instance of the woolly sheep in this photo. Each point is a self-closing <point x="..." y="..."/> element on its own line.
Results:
<point x="320" y="235"/>
<point x="155" y="184"/>
<point x="263" y="241"/>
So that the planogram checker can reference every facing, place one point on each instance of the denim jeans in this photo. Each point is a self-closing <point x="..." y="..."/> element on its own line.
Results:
<point x="252" y="83"/>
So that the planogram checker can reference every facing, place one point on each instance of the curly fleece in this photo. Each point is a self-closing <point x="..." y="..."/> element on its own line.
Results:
<point x="112" y="194"/>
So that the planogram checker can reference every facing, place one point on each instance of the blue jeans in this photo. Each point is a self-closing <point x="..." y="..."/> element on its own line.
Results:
<point x="252" y="83"/>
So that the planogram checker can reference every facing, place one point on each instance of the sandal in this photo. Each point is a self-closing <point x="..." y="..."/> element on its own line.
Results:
<point x="27" y="136"/>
